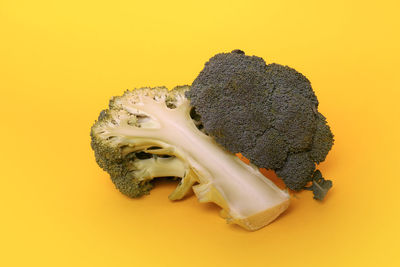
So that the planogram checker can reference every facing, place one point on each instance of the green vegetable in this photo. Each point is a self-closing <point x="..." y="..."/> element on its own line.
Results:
<point x="268" y="113"/>
<point x="319" y="185"/>
<point x="152" y="132"/>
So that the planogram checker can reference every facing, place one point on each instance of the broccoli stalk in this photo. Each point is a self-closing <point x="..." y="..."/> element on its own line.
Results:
<point x="149" y="133"/>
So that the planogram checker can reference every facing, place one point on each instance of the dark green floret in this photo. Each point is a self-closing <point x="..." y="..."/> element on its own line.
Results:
<point x="319" y="186"/>
<point x="269" y="113"/>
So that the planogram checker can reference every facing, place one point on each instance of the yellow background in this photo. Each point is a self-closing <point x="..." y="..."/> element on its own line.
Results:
<point x="60" y="62"/>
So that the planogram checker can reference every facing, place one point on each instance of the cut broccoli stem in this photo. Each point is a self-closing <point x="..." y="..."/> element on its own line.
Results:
<point x="154" y="167"/>
<point x="246" y="196"/>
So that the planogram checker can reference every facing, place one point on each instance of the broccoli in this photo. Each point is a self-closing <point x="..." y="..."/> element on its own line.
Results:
<point x="319" y="185"/>
<point x="268" y="113"/>
<point x="152" y="132"/>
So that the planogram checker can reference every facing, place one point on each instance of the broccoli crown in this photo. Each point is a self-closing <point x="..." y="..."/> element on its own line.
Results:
<point x="269" y="113"/>
<point x="152" y="132"/>
<point x="133" y="162"/>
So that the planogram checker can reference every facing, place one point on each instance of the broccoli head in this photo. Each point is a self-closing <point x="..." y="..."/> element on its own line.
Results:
<point x="153" y="132"/>
<point x="269" y="113"/>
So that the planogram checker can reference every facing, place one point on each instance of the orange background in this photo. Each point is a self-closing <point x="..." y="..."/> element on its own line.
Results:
<point x="61" y="61"/>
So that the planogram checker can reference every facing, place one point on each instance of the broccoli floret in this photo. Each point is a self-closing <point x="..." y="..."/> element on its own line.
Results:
<point x="297" y="170"/>
<point x="152" y="132"/>
<point x="319" y="185"/>
<point x="268" y="113"/>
